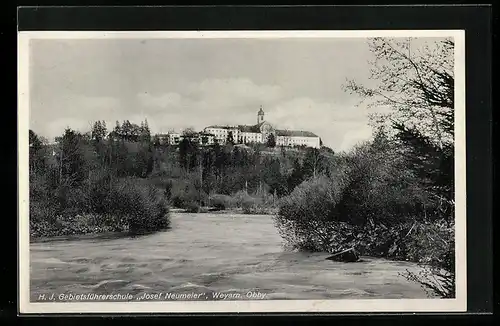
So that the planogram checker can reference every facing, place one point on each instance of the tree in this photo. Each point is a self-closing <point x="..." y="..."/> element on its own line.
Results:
<point x="433" y="165"/>
<point x="99" y="131"/>
<point x="184" y="147"/>
<point x="296" y="177"/>
<point x="416" y="82"/>
<point x="34" y="140"/>
<point x="156" y="141"/>
<point x="145" y="133"/>
<point x="71" y="159"/>
<point x="126" y="130"/>
<point x="273" y="177"/>
<point x="230" y="138"/>
<point x="36" y="155"/>
<point x="189" y="132"/>
<point x="144" y="161"/>
<point x="313" y="162"/>
<point x="271" y="140"/>
<point x="188" y="152"/>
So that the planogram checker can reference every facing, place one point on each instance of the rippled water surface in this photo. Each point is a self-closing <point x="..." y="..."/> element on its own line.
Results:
<point x="208" y="254"/>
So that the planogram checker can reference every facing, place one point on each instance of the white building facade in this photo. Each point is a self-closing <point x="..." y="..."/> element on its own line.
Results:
<point x="259" y="133"/>
<point x="248" y="134"/>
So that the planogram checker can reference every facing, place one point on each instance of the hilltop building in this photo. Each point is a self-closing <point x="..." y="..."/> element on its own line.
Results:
<point x="260" y="133"/>
<point x="247" y="134"/>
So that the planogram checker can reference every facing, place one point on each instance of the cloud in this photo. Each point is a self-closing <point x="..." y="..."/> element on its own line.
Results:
<point x="194" y="83"/>
<point x="339" y="125"/>
<point x="354" y="136"/>
<point x="236" y="101"/>
<point x="209" y="102"/>
<point x="169" y="100"/>
<point x="57" y="127"/>
<point x="75" y="111"/>
<point x="226" y="91"/>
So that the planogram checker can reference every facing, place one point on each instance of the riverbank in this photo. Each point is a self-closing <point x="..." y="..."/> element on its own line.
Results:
<point x="90" y="225"/>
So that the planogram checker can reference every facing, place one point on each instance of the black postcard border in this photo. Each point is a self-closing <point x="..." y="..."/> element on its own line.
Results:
<point x="475" y="20"/>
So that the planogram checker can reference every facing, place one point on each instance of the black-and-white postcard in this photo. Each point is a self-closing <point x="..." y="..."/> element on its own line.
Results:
<point x="242" y="171"/>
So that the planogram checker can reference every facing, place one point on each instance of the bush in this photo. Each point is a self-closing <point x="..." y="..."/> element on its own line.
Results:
<point x="101" y="204"/>
<point x="307" y="217"/>
<point x="184" y="195"/>
<point x="191" y="207"/>
<point x="368" y="189"/>
<point x="257" y="204"/>
<point x="433" y="246"/>
<point x="222" y="202"/>
<point x="178" y="201"/>
<point x="143" y="205"/>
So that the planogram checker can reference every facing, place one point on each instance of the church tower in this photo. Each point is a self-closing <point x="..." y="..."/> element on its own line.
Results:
<point x="260" y="116"/>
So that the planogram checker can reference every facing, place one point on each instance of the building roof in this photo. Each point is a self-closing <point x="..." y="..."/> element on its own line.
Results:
<point x="256" y="129"/>
<point x="223" y="127"/>
<point x="295" y="133"/>
<point x="243" y="128"/>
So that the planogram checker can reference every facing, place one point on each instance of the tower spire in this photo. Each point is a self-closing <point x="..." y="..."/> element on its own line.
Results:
<point x="260" y="115"/>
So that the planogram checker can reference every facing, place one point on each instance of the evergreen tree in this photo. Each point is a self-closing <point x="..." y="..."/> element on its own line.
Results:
<point x="71" y="159"/>
<point x="432" y="164"/>
<point x="296" y="177"/>
<point x="156" y="141"/>
<point x="99" y="131"/>
<point x="230" y="138"/>
<point x="36" y="154"/>
<point x="184" y="148"/>
<point x="145" y="133"/>
<point x="271" y="140"/>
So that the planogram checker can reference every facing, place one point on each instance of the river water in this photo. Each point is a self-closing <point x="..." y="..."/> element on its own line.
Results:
<point x="214" y="256"/>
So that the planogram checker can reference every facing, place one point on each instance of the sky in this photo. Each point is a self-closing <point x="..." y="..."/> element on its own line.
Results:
<point x="194" y="83"/>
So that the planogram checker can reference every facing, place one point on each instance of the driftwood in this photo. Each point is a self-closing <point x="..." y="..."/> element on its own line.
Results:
<point x="347" y="256"/>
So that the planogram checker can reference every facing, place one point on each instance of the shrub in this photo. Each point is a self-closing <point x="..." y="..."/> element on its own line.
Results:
<point x="307" y="218"/>
<point x="184" y="194"/>
<point x="191" y="207"/>
<point x="101" y="204"/>
<point x="432" y="245"/>
<point x="222" y="202"/>
<point x="144" y="205"/>
<point x="242" y="197"/>
<point x="178" y="201"/>
<point x="257" y="204"/>
<point x="43" y="207"/>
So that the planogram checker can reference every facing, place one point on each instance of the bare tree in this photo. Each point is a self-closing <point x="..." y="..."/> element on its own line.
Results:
<point x="415" y="80"/>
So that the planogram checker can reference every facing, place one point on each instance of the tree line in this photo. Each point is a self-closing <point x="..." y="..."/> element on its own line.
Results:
<point x="187" y="175"/>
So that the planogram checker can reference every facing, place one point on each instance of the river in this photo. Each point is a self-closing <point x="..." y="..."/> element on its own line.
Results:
<point x="212" y="254"/>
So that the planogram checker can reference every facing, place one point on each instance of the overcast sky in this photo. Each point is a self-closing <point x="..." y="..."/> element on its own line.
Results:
<point x="180" y="83"/>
